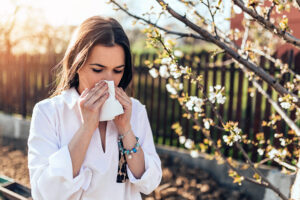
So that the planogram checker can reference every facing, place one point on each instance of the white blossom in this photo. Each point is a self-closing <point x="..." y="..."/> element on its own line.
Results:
<point x="171" y="89"/>
<point x="178" y="53"/>
<point x="295" y="99"/>
<point x="163" y="71"/>
<point x="189" y="105"/>
<point x="173" y="67"/>
<point x="182" y="139"/>
<point x="236" y="9"/>
<point x="260" y="151"/>
<point x="220" y="98"/>
<point x="218" y="87"/>
<point x="283" y="153"/>
<point x="180" y="86"/>
<point x="237" y="138"/>
<point x="206" y="123"/>
<point x="184" y="70"/>
<point x="153" y="72"/>
<point x="237" y="130"/>
<point x="189" y="144"/>
<point x="194" y="103"/>
<point x="282" y="142"/>
<point x="285" y="105"/>
<point x="216" y="96"/>
<point x="227" y="140"/>
<point x="198" y="105"/>
<point x="273" y="153"/>
<point x="212" y="97"/>
<point x="174" y="71"/>
<point x="166" y="61"/>
<point x="194" y="153"/>
<point x="197" y="108"/>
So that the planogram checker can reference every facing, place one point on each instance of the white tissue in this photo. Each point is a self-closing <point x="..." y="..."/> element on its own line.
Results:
<point x="111" y="106"/>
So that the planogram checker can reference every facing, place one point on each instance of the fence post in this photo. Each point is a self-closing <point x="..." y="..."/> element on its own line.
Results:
<point x="23" y="86"/>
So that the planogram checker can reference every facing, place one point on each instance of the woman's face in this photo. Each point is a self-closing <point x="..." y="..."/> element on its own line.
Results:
<point x="103" y="63"/>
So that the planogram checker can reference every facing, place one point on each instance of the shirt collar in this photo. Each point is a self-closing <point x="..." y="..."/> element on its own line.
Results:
<point x="70" y="97"/>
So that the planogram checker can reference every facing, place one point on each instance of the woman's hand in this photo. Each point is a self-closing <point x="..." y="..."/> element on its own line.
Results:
<point x="122" y="121"/>
<point x="90" y="103"/>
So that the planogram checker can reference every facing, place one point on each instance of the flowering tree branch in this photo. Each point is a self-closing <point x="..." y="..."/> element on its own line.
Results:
<point x="275" y="105"/>
<point x="248" y="64"/>
<point x="268" y="25"/>
<point x="264" y="181"/>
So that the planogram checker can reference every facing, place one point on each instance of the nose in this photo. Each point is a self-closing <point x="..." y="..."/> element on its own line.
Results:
<point x="109" y="76"/>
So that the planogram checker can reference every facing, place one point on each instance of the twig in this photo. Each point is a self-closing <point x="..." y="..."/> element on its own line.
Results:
<point x="268" y="25"/>
<point x="272" y="59"/>
<point x="298" y="2"/>
<point x="207" y="22"/>
<point x="286" y="165"/>
<point x="269" y="11"/>
<point x="157" y="26"/>
<point x="212" y="17"/>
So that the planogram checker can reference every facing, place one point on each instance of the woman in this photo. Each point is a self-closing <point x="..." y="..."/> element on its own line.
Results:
<point x="71" y="155"/>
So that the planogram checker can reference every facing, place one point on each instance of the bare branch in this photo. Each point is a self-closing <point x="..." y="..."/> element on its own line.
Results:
<point x="157" y="26"/>
<point x="298" y="2"/>
<point x="286" y="165"/>
<point x="270" y="185"/>
<point x="268" y="25"/>
<point x="269" y="11"/>
<point x="212" y="16"/>
<point x="222" y="34"/>
<point x="248" y="64"/>
<point x="272" y="59"/>
<point x="275" y="105"/>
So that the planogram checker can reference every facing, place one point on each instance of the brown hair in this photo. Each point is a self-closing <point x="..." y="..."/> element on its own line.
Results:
<point x="94" y="30"/>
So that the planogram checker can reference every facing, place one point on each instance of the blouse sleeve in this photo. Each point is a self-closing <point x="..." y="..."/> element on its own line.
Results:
<point x="153" y="173"/>
<point x="50" y="166"/>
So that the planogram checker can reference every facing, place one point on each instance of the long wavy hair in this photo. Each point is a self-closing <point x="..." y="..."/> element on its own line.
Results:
<point x="93" y="31"/>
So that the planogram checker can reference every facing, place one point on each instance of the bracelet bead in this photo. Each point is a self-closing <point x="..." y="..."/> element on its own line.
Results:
<point x="128" y="151"/>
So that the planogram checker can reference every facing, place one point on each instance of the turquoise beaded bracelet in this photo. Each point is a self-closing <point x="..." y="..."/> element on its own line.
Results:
<point x="126" y="151"/>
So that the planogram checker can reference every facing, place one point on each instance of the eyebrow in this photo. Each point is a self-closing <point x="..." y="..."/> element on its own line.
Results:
<point x="99" y="65"/>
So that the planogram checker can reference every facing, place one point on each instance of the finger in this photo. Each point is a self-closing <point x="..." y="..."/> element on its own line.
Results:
<point x="94" y="90"/>
<point x="84" y="93"/>
<point x="100" y="92"/>
<point x="100" y="101"/>
<point x="123" y="101"/>
<point x="123" y="96"/>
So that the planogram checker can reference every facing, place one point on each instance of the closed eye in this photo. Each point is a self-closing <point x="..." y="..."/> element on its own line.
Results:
<point x="116" y="71"/>
<point x="97" y="70"/>
<point x="100" y="70"/>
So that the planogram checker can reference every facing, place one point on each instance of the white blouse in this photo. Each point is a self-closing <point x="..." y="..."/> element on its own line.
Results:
<point x="53" y="125"/>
